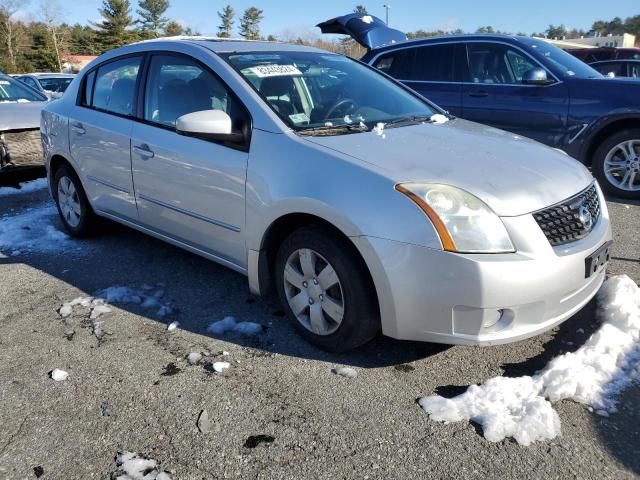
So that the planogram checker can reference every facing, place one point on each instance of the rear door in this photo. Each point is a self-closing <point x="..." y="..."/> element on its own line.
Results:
<point x="99" y="135"/>
<point x="495" y="95"/>
<point x="189" y="189"/>
<point x="431" y="70"/>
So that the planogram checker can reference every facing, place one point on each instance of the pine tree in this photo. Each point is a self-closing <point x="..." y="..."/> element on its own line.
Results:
<point x="361" y="9"/>
<point x="250" y="23"/>
<point x="227" y="21"/>
<point x="173" y="29"/>
<point x="115" y="28"/>
<point x="152" y="23"/>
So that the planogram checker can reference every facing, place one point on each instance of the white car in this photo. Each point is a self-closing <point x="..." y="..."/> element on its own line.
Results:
<point x="363" y="204"/>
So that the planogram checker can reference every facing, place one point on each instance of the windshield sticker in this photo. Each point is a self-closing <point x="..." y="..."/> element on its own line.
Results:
<point x="264" y="71"/>
<point x="299" y="117"/>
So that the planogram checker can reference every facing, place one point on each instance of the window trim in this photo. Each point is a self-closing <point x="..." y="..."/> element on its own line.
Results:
<point x="464" y="43"/>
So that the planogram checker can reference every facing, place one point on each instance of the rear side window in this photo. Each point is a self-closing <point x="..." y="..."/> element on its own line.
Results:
<point x="115" y="86"/>
<point x="88" y="88"/>
<point x="398" y="64"/>
<point x="434" y="63"/>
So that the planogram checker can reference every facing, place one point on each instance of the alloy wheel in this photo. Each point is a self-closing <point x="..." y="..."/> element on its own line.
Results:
<point x="69" y="202"/>
<point x="314" y="292"/>
<point x="622" y="165"/>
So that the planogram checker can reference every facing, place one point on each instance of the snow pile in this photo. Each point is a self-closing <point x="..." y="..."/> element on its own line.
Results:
<point x="25" y="187"/>
<point x="229" y="324"/>
<point x="220" y="367"/>
<point x="33" y="230"/>
<point x="194" y="357"/>
<point x="132" y="466"/>
<point x="379" y="129"/>
<point x="59" y="375"/>
<point x="438" y="118"/>
<point x="593" y="375"/>
<point x="172" y="326"/>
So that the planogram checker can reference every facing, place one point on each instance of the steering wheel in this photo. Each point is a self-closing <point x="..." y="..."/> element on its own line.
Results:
<point x="341" y="104"/>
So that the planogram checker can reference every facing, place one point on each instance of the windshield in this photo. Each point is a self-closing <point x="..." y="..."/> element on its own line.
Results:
<point x="310" y="90"/>
<point x="566" y="63"/>
<point x="12" y="90"/>
<point x="55" y="84"/>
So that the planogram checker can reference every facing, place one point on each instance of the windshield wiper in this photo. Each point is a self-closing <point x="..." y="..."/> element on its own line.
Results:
<point x="334" y="129"/>
<point x="410" y="120"/>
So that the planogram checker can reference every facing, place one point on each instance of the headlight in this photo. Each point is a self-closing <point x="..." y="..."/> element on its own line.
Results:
<point x="464" y="223"/>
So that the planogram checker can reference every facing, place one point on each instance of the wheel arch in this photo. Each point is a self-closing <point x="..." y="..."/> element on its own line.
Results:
<point x="599" y="135"/>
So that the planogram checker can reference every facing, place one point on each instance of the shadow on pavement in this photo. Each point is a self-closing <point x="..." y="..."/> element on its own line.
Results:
<point x="13" y="177"/>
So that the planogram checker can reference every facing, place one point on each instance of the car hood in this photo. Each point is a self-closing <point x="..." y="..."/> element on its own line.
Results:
<point x="511" y="174"/>
<point x="367" y="30"/>
<point x="18" y="115"/>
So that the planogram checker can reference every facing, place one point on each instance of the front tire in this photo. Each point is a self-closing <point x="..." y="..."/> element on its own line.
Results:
<point x="75" y="212"/>
<point x="326" y="290"/>
<point x="616" y="164"/>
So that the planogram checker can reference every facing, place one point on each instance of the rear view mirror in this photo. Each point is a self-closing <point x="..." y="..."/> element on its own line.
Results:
<point x="208" y="125"/>
<point x="536" y="76"/>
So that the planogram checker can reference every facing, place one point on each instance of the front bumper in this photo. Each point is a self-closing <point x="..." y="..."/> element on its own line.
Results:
<point x="436" y="296"/>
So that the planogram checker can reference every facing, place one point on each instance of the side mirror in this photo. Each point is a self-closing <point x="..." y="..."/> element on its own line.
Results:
<point x="208" y="125"/>
<point x="536" y="76"/>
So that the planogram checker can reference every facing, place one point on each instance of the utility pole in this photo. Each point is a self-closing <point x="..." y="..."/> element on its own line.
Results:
<point x="387" y="7"/>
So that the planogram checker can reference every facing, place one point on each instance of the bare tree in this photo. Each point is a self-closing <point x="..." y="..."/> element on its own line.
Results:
<point x="51" y="13"/>
<point x="10" y="33"/>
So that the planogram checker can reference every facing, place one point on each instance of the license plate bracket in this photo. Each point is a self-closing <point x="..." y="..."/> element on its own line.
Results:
<point x="597" y="259"/>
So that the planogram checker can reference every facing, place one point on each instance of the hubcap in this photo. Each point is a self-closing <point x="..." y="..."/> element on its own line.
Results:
<point x="622" y="166"/>
<point x="314" y="292"/>
<point x="69" y="201"/>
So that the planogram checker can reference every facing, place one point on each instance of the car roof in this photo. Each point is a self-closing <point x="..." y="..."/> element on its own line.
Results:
<point x="616" y="60"/>
<point x="226" y="45"/>
<point x="467" y="37"/>
<point x="49" y="74"/>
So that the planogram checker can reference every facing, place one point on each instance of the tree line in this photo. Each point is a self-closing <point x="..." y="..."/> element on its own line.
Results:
<point x="43" y="43"/>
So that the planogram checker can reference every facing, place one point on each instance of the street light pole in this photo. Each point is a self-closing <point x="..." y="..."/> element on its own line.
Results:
<point x="387" y="7"/>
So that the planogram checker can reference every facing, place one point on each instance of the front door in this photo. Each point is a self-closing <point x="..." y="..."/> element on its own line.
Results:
<point x="100" y="134"/>
<point x="495" y="95"/>
<point x="189" y="189"/>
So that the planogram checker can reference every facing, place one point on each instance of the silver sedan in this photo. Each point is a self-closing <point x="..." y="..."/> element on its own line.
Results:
<point x="367" y="208"/>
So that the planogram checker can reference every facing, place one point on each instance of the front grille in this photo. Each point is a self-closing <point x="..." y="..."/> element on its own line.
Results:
<point x="571" y="219"/>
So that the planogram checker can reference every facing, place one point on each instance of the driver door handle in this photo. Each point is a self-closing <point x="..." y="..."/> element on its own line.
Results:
<point x="479" y="94"/>
<point x="78" y="128"/>
<point x="144" y="151"/>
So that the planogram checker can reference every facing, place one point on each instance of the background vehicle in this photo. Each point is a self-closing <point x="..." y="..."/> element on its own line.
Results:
<point x="271" y="159"/>
<point x="519" y="84"/>
<point x="52" y="85"/>
<point x="620" y="68"/>
<point x="590" y="55"/>
<point x="20" y="108"/>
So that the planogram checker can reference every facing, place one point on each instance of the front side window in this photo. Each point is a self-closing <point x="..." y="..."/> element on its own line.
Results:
<point x="309" y="90"/>
<point x="115" y="86"/>
<point x="495" y="63"/>
<point x="618" y="69"/>
<point x="177" y="85"/>
<point x="29" y="81"/>
<point x="566" y="64"/>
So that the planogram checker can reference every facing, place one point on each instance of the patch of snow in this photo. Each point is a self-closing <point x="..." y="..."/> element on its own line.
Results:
<point x="592" y="375"/>
<point x="34" y="230"/>
<point x="25" y="187"/>
<point x="367" y="19"/>
<point x="346" y="372"/>
<point x="219" y="367"/>
<point x="132" y="466"/>
<point x="438" y="118"/>
<point x="328" y="124"/>
<point x="59" y="375"/>
<point x="379" y="129"/>
<point x="172" y="326"/>
<point x="194" y="357"/>
<point x="229" y="324"/>
<point x="347" y="119"/>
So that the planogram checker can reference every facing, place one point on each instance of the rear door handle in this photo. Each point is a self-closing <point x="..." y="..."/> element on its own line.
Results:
<point x="144" y="151"/>
<point x="479" y="94"/>
<point x="78" y="128"/>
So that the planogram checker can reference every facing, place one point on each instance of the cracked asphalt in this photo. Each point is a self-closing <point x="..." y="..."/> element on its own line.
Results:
<point x="278" y="412"/>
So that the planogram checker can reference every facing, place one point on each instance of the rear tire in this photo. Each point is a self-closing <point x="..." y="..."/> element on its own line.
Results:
<point x="75" y="211"/>
<point x="616" y="164"/>
<point x="323" y="279"/>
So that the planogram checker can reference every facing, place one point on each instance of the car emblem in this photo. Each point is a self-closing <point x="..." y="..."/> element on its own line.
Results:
<point x="585" y="217"/>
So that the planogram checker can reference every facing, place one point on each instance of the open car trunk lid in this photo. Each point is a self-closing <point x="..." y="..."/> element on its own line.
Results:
<point x="369" y="31"/>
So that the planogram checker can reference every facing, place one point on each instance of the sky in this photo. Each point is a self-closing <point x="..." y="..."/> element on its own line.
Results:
<point x="292" y="19"/>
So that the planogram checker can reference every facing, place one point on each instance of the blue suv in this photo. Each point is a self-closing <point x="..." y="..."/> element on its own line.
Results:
<point x="520" y="84"/>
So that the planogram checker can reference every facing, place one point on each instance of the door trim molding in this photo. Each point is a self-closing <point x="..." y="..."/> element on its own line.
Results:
<point x="108" y="184"/>
<point x="189" y="213"/>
